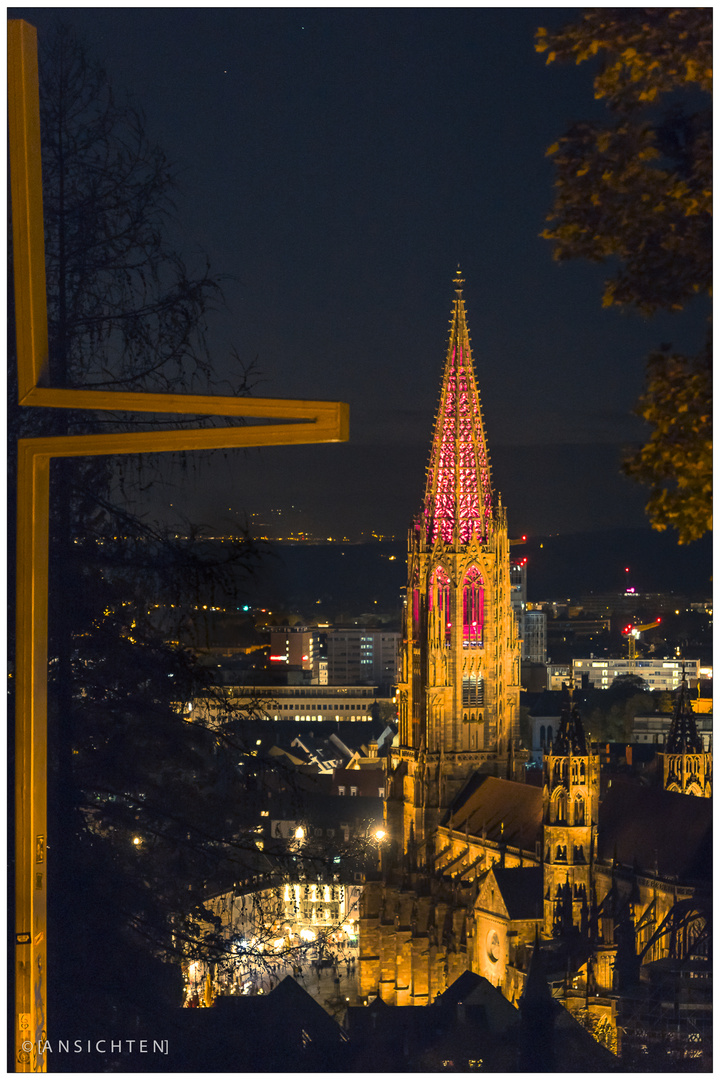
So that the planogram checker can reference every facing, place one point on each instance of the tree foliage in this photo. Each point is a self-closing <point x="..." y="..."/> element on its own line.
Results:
<point x="676" y="462"/>
<point x="124" y="310"/>
<point x="611" y="712"/>
<point x="634" y="191"/>
<point x="147" y="806"/>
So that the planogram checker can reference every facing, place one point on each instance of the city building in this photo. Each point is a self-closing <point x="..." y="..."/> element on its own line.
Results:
<point x="533" y="631"/>
<point x="303" y="704"/>
<point x="337" y="656"/>
<point x="660" y="674"/>
<point x="558" y="675"/>
<point x="531" y="623"/>
<point x="359" y="655"/>
<point x="653" y="730"/>
<point x="544" y="722"/>
<point x="518" y="585"/>
<point x="299" y="647"/>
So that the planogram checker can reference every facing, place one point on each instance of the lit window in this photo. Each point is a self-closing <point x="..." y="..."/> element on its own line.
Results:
<point x="473" y="608"/>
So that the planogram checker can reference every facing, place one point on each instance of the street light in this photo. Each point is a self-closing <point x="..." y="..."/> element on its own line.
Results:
<point x="380" y="835"/>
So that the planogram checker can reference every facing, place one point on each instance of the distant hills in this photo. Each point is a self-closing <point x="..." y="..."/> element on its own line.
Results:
<point x="335" y="580"/>
<point x="570" y="565"/>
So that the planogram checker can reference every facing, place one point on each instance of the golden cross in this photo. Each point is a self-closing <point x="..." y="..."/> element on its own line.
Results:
<point x="303" y="422"/>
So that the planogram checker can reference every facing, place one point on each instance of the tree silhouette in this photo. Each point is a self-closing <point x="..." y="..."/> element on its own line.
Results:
<point x="634" y="192"/>
<point x="147" y="805"/>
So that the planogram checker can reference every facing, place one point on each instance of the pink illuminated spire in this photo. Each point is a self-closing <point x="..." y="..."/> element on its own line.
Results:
<point x="458" y="495"/>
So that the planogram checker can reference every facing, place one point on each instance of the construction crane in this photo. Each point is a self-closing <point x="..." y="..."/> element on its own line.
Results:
<point x="633" y="633"/>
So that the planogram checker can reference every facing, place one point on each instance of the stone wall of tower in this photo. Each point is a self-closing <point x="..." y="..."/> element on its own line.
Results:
<point x="688" y="774"/>
<point x="571" y="790"/>
<point x="458" y="694"/>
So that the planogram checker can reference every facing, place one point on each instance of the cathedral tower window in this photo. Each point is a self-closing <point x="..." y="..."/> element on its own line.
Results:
<point x="439" y="598"/>
<point x="560" y="804"/>
<point x="473" y="609"/>
<point x="415" y="607"/>
<point x="473" y="691"/>
<point x="579" y="810"/>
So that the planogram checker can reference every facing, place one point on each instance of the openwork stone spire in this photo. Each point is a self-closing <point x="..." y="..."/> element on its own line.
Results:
<point x="570" y="738"/>
<point x="458" y="494"/>
<point x="683" y="737"/>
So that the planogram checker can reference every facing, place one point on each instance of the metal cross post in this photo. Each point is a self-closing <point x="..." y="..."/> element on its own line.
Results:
<point x="303" y="422"/>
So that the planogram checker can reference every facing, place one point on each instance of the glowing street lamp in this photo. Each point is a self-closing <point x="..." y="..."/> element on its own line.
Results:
<point x="379" y="835"/>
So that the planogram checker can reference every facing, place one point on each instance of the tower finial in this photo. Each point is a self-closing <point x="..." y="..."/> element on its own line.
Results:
<point x="458" y="280"/>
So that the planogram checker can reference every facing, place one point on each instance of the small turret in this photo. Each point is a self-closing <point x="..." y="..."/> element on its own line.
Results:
<point x="570" y="738"/>
<point x="686" y="767"/>
<point x="683" y="737"/>
<point x="571" y="791"/>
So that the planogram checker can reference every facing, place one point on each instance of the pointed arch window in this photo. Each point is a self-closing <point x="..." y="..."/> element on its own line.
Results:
<point x="473" y="608"/>
<point x="439" y="598"/>
<point x="415" y="606"/>
<point x="560" y="815"/>
<point x="579" y="810"/>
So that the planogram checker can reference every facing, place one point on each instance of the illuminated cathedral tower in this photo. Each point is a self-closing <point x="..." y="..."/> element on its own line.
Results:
<point x="571" y="794"/>
<point x="460" y="681"/>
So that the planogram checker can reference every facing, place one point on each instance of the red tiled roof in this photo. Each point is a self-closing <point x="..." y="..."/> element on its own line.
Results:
<point x="521" y="888"/>
<point x="510" y="812"/>
<point x="647" y="825"/>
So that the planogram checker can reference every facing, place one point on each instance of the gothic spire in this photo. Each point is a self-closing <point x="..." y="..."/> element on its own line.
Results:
<point x="458" y="494"/>
<point x="570" y="736"/>
<point x="683" y="737"/>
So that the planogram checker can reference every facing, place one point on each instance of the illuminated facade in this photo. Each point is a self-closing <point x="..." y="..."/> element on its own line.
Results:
<point x="458" y="691"/>
<point x="483" y="863"/>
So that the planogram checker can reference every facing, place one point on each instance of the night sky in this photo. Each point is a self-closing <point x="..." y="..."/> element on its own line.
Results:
<point x="339" y="164"/>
